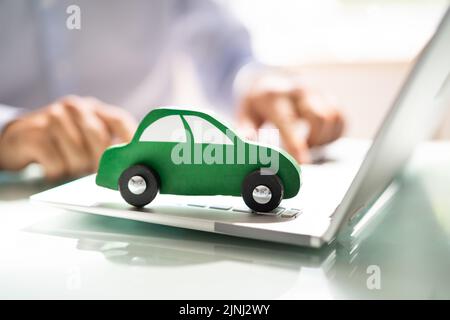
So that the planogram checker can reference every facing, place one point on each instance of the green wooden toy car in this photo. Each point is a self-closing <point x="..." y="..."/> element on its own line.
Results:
<point x="186" y="152"/>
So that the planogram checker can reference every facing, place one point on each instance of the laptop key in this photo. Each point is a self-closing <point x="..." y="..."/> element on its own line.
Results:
<point x="291" y="213"/>
<point x="220" y="207"/>
<point x="242" y="210"/>
<point x="274" y="212"/>
<point x="197" y="205"/>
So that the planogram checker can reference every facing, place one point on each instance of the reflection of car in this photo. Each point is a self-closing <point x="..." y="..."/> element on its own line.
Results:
<point x="188" y="152"/>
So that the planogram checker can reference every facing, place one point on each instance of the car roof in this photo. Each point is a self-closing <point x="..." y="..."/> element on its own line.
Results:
<point x="162" y="112"/>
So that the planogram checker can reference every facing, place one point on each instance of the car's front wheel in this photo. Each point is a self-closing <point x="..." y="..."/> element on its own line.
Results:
<point x="262" y="191"/>
<point x="138" y="185"/>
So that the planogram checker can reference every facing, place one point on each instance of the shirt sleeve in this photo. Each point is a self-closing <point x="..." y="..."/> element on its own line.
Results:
<point x="218" y="45"/>
<point x="7" y="114"/>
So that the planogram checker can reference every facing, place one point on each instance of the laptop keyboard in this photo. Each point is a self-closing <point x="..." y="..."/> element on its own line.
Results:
<point x="280" y="211"/>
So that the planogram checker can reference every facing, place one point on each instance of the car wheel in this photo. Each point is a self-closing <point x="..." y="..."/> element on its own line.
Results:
<point x="138" y="185"/>
<point x="262" y="192"/>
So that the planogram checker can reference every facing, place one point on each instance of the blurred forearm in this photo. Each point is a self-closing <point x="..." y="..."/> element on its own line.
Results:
<point x="219" y="46"/>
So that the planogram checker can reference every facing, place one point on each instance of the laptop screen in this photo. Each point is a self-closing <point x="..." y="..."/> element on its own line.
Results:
<point x="413" y="117"/>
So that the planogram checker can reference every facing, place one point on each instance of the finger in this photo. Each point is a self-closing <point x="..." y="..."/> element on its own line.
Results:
<point x="338" y="126"/>
<point x="303" y="154"/>
<point x="119" y="123"/>
<point x="69" y="140"/>
<point x="247" y="123"/>
<point x="334" y="118"/>
<point x="14" y="146"/>
<point x="311" y="107"/>
<point x="331" y="127"/>
<point x="47" y="154"/>
<point x="94" y="132"/>
<point x="283" y="116"/>
<point x="317" y="131"/>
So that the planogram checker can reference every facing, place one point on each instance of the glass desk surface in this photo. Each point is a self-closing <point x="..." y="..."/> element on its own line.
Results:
<point x="51" y="253"/>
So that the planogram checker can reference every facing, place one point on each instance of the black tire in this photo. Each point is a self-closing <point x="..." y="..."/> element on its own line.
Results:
<point x="272" y="182"/>
<point x="151" y="185"/>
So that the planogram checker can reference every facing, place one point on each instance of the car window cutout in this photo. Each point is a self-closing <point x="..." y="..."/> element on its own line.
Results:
<point x="166" y="129"/>
<point x="205" y="132"/>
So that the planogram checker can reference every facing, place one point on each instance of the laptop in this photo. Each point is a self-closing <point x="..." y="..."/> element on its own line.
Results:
<point x="335" y="194"/>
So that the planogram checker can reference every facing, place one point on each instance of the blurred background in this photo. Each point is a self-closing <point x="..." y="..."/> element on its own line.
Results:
<point x="357" y="50"/>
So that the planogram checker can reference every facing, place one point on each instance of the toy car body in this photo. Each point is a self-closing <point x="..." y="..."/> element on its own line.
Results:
<point x="187" y="152"/>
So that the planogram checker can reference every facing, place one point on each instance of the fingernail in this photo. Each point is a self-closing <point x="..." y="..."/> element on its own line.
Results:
<point x="304" y="157"/>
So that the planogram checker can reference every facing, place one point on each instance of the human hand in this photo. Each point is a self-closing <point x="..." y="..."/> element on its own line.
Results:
<point x="66" y="137"/>
<point x="283" y="102"/>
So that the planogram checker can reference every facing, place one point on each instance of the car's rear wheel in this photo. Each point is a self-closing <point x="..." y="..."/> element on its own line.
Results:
<point x="262" y="192"/>
<point x="138" y="185"/>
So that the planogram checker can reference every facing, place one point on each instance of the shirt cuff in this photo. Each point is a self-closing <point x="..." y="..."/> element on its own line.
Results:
<point x="7" y="114"/>
<point x="245" y="77"/>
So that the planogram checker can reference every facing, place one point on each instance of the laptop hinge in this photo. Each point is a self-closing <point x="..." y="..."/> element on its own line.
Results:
<point x="367" y="217"/>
